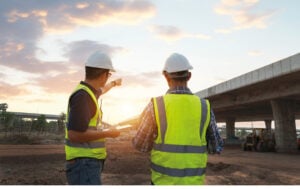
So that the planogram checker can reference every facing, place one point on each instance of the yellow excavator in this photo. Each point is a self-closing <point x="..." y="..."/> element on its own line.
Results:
<point x="261" y="140"/>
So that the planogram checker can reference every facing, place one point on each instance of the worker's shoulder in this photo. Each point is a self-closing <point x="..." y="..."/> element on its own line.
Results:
<point x="80" y="95"/>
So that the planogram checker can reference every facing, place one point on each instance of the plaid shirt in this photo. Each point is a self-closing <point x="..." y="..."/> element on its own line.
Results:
<point x="147" y="132"/>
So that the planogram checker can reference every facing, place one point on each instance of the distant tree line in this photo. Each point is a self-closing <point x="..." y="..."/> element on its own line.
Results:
<point x="10" y="124"/>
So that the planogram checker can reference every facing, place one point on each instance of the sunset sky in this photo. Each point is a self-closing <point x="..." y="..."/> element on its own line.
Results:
<point x="44" y="44"/>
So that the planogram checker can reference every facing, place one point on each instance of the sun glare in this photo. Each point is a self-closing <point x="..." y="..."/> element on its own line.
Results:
<point x="128" y="110"/>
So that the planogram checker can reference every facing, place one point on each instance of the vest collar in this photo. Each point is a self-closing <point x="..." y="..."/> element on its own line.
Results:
<point x="179" y="90"/>
<point x="95" y="91"/>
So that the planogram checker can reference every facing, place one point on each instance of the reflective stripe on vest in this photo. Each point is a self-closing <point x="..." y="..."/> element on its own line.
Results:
<point x="179" y="148"/>
<point x="178" y="172"/>
<point x="168" y="173"/>
<point x="96" y="144"/>
<point x="85" y="144"/>
<point x="93" y="149"/>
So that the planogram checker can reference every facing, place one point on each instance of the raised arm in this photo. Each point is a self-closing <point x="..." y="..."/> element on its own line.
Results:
<point x="111" y="84"/>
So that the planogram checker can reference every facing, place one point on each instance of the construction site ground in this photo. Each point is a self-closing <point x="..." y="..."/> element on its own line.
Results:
<point x="44" y="164"/>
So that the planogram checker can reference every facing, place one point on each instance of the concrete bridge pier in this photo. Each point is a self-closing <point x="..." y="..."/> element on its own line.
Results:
<point x="230" y="128"/>
<point x="268" y="126"/>
<point x="285" y="125"/>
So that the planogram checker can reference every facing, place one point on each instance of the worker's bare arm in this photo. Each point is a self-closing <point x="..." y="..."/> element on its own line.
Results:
<point x="111" y="84"/>
<point x="90" y="135"/>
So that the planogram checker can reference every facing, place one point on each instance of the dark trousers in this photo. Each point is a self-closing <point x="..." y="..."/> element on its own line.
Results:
<point x="84" y="171"/>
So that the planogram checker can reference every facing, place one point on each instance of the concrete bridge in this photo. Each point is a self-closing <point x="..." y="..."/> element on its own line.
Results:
<point x="35" y="116"/>
<point x="269" y="93"/>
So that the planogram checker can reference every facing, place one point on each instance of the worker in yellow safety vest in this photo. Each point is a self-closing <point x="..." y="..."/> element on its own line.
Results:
<point x="177" y="128"/>
<point x="84" y="142"/>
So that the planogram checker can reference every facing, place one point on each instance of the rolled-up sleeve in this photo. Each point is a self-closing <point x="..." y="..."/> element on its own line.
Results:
<point x="214" y="141"/>
<point x="147" y="130"/>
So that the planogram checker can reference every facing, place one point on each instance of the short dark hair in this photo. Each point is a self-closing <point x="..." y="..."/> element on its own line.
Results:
<point x="179" y="76"/>
<point x="93" y="73"/>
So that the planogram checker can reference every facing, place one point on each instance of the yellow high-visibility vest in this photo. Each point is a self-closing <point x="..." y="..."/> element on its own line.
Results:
<point x="93" y="149"/>
<point x="179" y="154"/>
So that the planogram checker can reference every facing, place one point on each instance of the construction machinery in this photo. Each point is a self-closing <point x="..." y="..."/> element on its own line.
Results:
<point x="261" y="140"/>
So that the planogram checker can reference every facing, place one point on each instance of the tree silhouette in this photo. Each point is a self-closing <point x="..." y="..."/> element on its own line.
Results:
<point x="8" y="120"/>
<point x="61" y="122"/>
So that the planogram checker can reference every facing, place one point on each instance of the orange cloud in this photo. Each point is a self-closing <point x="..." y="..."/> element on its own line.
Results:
<point x="9" y="91"/>
<point x="11" y="47"/>
<point x="96" y="13"/>
<point x="61" y="83"/>
<point x="243" y="14"/>
<point x="61" y="17"/>
<point x="172" y="33"/>
<point x="82" y="5"/>
<point x="14" y="15"/>
<point x="168" y="33"/>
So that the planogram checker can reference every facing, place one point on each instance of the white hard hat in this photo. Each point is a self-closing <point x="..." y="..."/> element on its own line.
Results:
<point x="99" y="60"/>
<point x="177" y="63"/>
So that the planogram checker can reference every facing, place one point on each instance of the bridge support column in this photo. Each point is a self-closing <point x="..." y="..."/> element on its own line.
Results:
<point x="230" y="128"/>
<point x="268" y="126"/>
<point x="285" y="125"/>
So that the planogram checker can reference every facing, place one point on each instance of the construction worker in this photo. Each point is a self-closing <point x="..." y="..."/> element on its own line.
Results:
<point x="84" y="143"/>
<point x="176" y="128"/>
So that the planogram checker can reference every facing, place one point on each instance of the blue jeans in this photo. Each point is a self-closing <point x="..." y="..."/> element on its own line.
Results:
<point x="84" y="171"/>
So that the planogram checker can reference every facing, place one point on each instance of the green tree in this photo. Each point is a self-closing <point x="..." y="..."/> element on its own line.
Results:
<point x="3" y="107"/>
<point x="61" y="122"/>
<point x="41" y="123"/>
<point x="7" y="119"/>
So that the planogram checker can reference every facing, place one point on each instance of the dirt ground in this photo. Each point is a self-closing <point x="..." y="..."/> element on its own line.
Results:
<point x="44" y="165"/>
